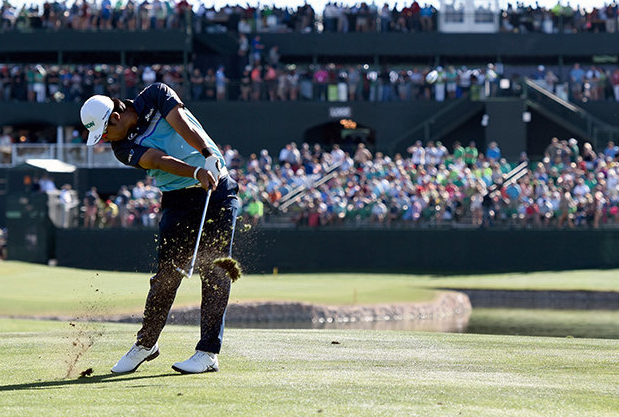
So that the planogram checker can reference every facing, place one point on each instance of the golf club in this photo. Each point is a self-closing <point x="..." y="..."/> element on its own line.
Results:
<point x="188" y="272"/>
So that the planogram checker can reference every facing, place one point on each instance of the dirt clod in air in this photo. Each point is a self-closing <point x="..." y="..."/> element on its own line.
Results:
<point x="335" y="342"/>
<point x="231" y="266"/>
<point x="86" y="373"/>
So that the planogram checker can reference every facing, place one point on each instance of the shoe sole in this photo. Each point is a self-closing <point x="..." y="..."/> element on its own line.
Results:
<point x="147" y="359"/>
<point x="182" y="371"/>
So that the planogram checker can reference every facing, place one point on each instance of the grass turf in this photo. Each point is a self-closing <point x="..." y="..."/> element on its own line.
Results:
<point x="30" y="289"/>
<point x="302" y="373"/>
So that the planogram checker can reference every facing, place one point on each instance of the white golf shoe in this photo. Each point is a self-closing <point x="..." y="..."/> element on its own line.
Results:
<point x="134" y="358"/>
<point x="200" y="362"/>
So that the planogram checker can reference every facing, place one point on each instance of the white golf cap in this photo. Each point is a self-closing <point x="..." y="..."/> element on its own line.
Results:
<point x="95" y="114"/>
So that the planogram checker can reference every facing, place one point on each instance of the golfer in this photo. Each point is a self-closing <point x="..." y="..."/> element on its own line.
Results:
<point x="155" y="132"/>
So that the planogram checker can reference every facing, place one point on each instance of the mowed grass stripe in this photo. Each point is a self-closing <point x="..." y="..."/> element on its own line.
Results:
<point x="31" y="289"/>
<point x="301" y="372"/>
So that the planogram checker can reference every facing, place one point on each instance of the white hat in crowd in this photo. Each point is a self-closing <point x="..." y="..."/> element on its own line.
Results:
<point x="95" y="114"/>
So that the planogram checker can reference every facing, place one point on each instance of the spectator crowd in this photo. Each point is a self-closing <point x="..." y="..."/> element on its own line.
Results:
<point x="335" y="17"/>
<point x="572" y="186"/>
<point x="267" y="79"/>
<point x="430" y="186"/>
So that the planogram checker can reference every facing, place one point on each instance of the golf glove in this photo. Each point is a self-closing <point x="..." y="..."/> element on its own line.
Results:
<point x="213" y="165"/>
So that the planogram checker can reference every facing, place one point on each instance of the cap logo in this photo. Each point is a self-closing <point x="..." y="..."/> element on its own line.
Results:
<point x="89" y="125"/>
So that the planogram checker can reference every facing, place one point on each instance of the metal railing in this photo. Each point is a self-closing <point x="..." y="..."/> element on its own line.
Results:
<point x="439" y="123"/>
<point x="79" y="155"/>
<point x="300" y="191"/>
<point x="595" y="130"/>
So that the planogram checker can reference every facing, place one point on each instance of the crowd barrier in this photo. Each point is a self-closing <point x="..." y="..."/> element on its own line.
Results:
<point x="433" y="251"/>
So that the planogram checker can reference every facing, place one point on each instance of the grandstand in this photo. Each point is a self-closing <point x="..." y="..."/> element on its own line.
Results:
<point x="386" y="86"/>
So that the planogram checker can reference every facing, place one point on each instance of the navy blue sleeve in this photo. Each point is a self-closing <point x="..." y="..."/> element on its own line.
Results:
<point x="161" y="97"/>
<point x="128" y="152"/>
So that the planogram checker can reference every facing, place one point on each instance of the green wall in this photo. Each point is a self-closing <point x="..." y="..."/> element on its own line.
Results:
<point x="435" y="251"/>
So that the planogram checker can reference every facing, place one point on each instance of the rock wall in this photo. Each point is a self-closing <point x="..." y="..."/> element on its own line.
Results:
<point x="448" y="312"/>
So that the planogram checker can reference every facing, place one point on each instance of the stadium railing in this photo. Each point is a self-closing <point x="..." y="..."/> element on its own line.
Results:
<point x="79" y="155"/>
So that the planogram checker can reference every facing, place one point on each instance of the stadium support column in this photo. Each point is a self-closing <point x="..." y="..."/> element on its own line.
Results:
<point x="123" y="65"/>
<point x="60" y="143"/>
<point x="506" y="126"/>
<point x="186" y="52"/>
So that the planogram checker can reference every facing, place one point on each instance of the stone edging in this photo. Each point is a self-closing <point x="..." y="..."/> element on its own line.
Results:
<point x="448" y="304"/>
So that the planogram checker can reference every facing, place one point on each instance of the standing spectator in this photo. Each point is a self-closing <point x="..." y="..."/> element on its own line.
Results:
<point x="105" y="15"/>
<point x="470" y="154"/>
<point x="270" y="82"/>
<point x="256" y="83"/>
<point x="611" y="150"/>
<point x="130" y="16"/>
<point x="67" y="204"/>
<point x="577" y="77"/>
<point x="149" y="76"/>
<point x="221" y="83"/>
<point x="614" y="79"/>
<point x="418" y="154"/>
<point x="493" y="152"/>
<point x="91" y="207"/>
<point x="385" y="18"/>
<point x="46" y="184"/>
<point x="321" y="77"/>
<point x="362" y="155"/>
<point x="256" y="51"/>
<point x="439" y="85"/>
<point x="245" y="85"/>
<point x="243" y="51"/>
<point x="38" y="86"/>
<point x="264" y="160"/>
<point x="210" y="85"/>
<point x="122" y="202"/>
<point x="385" y="78"/>
<point x="353" y="78"/>
<point x="292" y="84"/>
<point x="131" y="81"/>
<point x="451" y="79"/>
<point x="283" y="154"/>
<point x="274" y="56"/>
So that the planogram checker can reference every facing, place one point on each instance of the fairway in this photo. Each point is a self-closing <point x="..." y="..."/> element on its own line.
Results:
<point x="31" y="289"/>
<point x="303" y="372"/>
<point x="267" y="372"/>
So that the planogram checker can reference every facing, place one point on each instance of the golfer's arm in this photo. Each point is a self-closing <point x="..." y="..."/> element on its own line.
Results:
<point x="192" y="135"/>
<point x="156" y="159"/>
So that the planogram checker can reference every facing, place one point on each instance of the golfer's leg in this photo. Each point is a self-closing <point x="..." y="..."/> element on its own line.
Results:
<point x="162" y="292"/>
<point x="215" y="281"/>
<point x="175" y="243"/>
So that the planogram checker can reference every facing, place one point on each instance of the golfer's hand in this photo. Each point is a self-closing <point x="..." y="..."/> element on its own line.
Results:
<point x="207" y="179"/>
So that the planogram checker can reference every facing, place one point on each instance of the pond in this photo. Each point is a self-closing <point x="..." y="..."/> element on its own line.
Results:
<point x="599" y="324"/>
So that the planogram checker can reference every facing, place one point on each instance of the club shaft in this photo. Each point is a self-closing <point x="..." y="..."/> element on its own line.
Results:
<point x="195" y="251"/>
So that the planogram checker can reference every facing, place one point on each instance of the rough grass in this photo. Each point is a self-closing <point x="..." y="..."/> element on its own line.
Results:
<point x="303" y="373"/>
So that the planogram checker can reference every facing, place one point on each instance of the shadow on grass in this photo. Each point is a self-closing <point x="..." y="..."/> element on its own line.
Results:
<point x="81" y="381"/>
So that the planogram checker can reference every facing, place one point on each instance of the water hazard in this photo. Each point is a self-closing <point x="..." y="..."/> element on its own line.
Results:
<point x="600" y="324"/>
